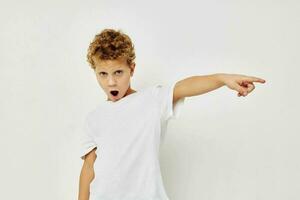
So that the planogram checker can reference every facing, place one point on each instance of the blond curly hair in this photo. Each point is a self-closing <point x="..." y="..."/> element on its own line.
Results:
<point x="110" y="44"/>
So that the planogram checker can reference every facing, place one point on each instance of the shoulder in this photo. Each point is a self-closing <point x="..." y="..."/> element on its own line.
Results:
<point x="156" y="88"/>
<point x="161" y="89"/>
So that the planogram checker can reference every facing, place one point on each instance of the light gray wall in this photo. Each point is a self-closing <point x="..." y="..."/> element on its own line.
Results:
<point x="222" y="147"/>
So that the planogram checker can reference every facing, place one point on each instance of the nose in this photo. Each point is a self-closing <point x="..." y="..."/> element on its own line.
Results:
<point x="111" y="81"/>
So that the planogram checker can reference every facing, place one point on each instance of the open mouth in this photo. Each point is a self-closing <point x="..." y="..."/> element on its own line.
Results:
<point x="114" y="92"/>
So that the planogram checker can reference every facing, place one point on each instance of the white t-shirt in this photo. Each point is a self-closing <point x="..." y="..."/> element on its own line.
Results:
<point x="128" y="134"/>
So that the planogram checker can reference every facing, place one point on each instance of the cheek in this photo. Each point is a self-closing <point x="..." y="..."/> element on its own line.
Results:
<point x="101" y="83"/>
<point x="124" y="83"/>
<point x="125" y="78"/>
<point x="99" y="80"/>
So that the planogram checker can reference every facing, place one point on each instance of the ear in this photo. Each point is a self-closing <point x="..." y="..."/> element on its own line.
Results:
<point x="132" y="67"/>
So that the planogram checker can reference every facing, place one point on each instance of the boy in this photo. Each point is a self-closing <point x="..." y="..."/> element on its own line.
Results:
<point x="121" y="141"/>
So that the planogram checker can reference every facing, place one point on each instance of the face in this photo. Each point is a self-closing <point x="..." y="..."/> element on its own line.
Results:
<point x="113" y="77"/>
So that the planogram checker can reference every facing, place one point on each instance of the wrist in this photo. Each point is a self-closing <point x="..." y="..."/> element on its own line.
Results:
<point x="220" y="78"/>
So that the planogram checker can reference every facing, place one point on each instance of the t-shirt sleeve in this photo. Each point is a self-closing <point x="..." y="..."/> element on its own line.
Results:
<point x="87" y="142"/>
<point x="164" y="94"/>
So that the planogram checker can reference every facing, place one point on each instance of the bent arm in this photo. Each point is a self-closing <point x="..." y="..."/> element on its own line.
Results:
<point x="87" y="175"/>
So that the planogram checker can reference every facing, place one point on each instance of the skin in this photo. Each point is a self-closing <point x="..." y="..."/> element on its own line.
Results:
<point x="87" y="175"/>
<point x="243" y="84"/>
<point x="197" y="85"/>
<point x="114" y="75"/>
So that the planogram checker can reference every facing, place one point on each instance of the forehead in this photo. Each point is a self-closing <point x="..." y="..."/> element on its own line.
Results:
<point x="109" y="65"/>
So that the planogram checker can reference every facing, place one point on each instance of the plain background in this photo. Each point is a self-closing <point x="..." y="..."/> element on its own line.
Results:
<point x="222" y="147"/>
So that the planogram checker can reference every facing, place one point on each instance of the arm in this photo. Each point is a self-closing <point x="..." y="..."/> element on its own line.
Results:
<point x="196" y="85"/>
<point x="86" y="175"/>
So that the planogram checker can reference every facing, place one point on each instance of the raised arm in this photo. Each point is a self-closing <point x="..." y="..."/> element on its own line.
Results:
<point x="196" y="85"/>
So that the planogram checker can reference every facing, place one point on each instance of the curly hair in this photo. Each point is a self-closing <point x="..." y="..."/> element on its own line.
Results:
<point x="111" y="44"/>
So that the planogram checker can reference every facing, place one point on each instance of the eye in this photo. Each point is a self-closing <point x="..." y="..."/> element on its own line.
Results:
<point x="119" y="72"/>
<point x="102" y="73"/>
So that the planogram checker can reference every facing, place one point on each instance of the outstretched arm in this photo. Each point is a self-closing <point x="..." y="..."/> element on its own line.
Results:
<point x="196" y="85"/>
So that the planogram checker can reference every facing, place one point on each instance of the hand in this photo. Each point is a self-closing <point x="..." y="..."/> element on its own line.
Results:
<point x="241" y="83"/>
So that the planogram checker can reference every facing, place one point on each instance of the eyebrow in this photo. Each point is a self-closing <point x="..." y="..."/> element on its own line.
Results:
<point x="105" y="71"/>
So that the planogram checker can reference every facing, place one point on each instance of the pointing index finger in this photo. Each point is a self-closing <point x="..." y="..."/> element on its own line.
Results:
<point x="255" y="79"/>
